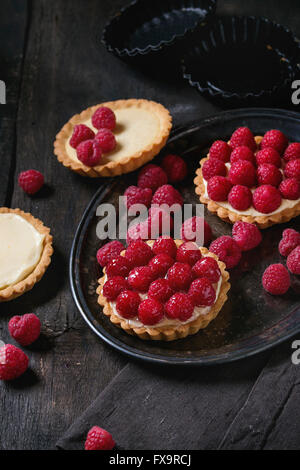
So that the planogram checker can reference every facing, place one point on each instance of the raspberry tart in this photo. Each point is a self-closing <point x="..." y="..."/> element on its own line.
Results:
<point x="113" y="138"/>
<point x="25" y="252"/>
<point x="169" y="303"/>
<point x="251" y="179"/>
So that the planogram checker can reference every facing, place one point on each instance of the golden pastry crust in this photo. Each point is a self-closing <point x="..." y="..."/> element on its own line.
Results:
<point x="15" y="290"/>
<point x="169" y="333"/>
<point x="125" y="165"/>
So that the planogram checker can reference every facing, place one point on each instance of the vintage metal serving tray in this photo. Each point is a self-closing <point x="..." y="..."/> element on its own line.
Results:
<point x="252" y="320"/>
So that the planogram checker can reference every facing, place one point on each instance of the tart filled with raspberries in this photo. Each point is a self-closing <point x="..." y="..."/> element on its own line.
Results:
<point x="113" y="138"/>
<point x="164" y="289"/>
<point x="253" y="179"/>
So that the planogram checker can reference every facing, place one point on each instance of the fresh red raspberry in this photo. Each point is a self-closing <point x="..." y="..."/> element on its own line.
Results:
<point x="227" y="250"/>
<point x="127" y="304"/>
<point x="99" y="439"/>
<point x="165" y="245"/>
<point x="89" y="152"/>
<point x="268" y="155"/>
<point x="275" y="139"/>
<point x="193" y="228"/>
<point x="104" y="118"/>
<point x="209" y="268"/>
<point x="242" y="172"/>
<point x="81" y="132"/>
<point x="179" y="307"/>
<point x="180" y="276"/>
<point x="140" y="278"/>
<point x="13" y="362"/>
<point x="292" y="152"/>
<point x="220" y="150"/>
<point x="118" y="266"/>
<point x="246" y="235"/>
<point x="213" y="167"/>
<point x="108" y="252"/>
<point x="218" y="188"/>
<point x="25" y="329"/>
<point x="160" y="265"/>
<point x="276" y="279"/>
<point x="290" y="189"/>
<point x="138" y="253"/>
<point x="266" y="199"/>
<point x="160" y="222"/>
<point x="138" y="231"/>
<point x="293" y="261"/>
<point x="268" y="174"/>
<point x="292" y="169"/>
<point x="175" y="168"/>
<point x="31" y="181"/>
<point x="202" y="293"/>
<point x="152" y="176"/>
<point x="168" y="195"/>
<point x="243" y="136"/>
<point x="106" y="139"/>
<point x="242" y="153"/>
<point x="151" y="311"/>
<point x="290" y="240"/>
<point x="114" y="286"/>
<point x="160" y="290"/>
<point x="188" y="253"/>
<point x="240" y="197"/>
<point x="137" y="195"/>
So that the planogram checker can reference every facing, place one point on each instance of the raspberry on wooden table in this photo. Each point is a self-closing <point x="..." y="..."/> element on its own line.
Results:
<point x="180" y="276"/>
<point x="179" y="307"/>
<point x="89" y="152"/>
<point x="242" y="172"/>
<point x="246" y="235"/>
<point x="151" y="311"/>
<point x="268" y="174"/>
<point x="202" y="293"/>
<point x="290" y="189"/>
<point x="165" y="245"/>
<point x="292" y="152"/>
<point x="276" y="279"/>
<point x="114" y="286"/>
<point x="268" y="155"/>
<point x="266" y="199"/>
<point x="105" y="118"/>
<point x="160" y="222"/>
<point x="160" y="290"/>
<point x="175" y="168"/>
<point x="240" y="197"/>
<point x="293" y="261"/>
<point x="81" y="132"/>
<point x="106" y="140"/>
<point x="138" y="253"/>
<point x="168" y="195"/>
<point x="140" y="278"/>
<point x="137" y="195"/>
<point x="218" y="188"/>
<point x="13" y="362"/>
<point x="192" y="228"/>
<point x="31" y="181"/>
<point x="242" y="153"/>
<point x="152" y="176"/>
<point x="290" y="240"/>
<point x="243" y="136"/>
<point x="99" y="439"/>
<point x="227" y="250"/>
<point x="118" y="266"/>
<point x="213" y="167"/>
<point x="275" y="139"/>
<point x="207" y="267"/>
<point x="160" y="264"/>
<point x="188" y="253"/>
<point x="25" y="329"/>
<point x="220" y="150"/>
<point x="128" y="303"/>
<point x="292" y="169"/>
<point x="109" y="251"/>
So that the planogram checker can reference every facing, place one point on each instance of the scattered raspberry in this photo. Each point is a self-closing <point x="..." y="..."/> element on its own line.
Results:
<point x="140" y="278"/>
<point x="106" y="139"/>
<point x="138" y="253"/>
<point x="268" y="174"/>
<point x="138" y="231"/>
<point x="274" y="139"/>
<point x="227" y="251"/>
<point x="118" y="266"/>
<point x="137" y="195"/>
<point x="240" y="197"/>
<point x="242" y="153"/>
<point x="160" y="265"/>
<point x="160" y="222"/>
<point x="180" y="276"/>
<point x="25" y="329"/>
<point x="114" y="286"/>
<point x="31" y="181"/>
<point x="293" y="261"/>
<point x="220" y="150"/>
<point x="202" y="293"/>
<point x="268" y="155"/>
<point x="292" y="169"/>
<point x="179" y="307"/>
<point x="276" y="279"/>
<point x="104" y="118"/>
<point x="165" y="245"/>
<point x="151" y="311"/>
<point x="213" y="167"/>
<point x="218" y="188"/>
<point x="13" y="362"/>
<point x="243" y="173"/>
<point x="207" y="267"/>
<point x="81" y="132"/>
<point x="292" y="152"/>
<point x="89" y="152"/>
<point x="243" y="136"/>
<point x="128" y="303"/>
<point x="246" y="235"/>
<point x="99" y="439"/>
<point x="108" y="252"/>
<point x="193" y="228"/>
<point x="160" y="290"/>
<point x="266" y="199"/>
<point x="290" y="189"/>
<point x="188" y="253"/>
<point x="175" y="168"/>
<point x="152" y="176"/>
<point x="167" y="194"/>
<point x="290" y="240"/>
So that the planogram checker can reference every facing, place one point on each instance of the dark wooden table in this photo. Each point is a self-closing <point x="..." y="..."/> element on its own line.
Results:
<point x="54" y="67"/>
